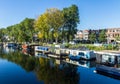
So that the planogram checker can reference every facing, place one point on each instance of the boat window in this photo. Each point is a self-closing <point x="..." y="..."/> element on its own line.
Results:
<point x="112" y="59"/>
<point x="104" y="58"/>
<point x="108" y="59"/>
<point x="81" y="53"/>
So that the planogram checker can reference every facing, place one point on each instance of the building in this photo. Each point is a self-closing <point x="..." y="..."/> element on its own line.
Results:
<point x="79" y="35"/>
<point x="112" y="33"/>
<point x="82" y="34"/>
<point x="85" y="34"/>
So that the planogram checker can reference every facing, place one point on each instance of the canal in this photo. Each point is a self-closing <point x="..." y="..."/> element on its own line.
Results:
<point x="18" y="67"/>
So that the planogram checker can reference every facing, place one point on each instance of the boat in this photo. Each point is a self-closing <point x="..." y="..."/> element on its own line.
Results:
<point x="42" y="49"/>
<point x="108" y="57"/>
<point x="82" y="54"/>
<point x="108" y="62"/>
<point x="9" y="45"/>
<point x="24" y="46"/>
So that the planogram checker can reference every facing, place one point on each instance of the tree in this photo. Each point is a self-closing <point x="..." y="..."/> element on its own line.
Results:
<point x="55" y="20"/>
<point x="2" y="33"/>
<point x="41" y="24"/>
<point x="27" y="26"/>
<point x="92" y="37"/>
<point x="49" y="23"/>
<point x="71" y="19"/>
<point x="22" y="32"/>
<point x="102" y="36"/>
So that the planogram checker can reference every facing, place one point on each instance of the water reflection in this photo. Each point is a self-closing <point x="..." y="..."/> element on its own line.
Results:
<point x="46" y="70"/>
<point x="83" y="63"/>
<point x="108" y="75"/>
<point x="53" y="73"/>
<point x="8" y="49"/>
<point x="39" y="54"/>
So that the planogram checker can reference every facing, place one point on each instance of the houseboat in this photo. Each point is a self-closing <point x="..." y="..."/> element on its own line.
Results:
<point x="58" y="53"/>
<point x="108" y="62"/>
<point x="42" y="49"/>
<point x="9" y="45"/>
<point x="82" y="54"/>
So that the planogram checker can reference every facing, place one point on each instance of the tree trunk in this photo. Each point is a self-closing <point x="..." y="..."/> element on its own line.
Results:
<point x="56" y="40"/>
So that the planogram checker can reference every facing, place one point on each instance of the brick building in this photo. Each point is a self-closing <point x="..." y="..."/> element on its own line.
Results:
<point x="112" y="33"/>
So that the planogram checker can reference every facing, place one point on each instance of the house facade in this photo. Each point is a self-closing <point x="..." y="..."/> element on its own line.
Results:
<point x="111" y="34"/>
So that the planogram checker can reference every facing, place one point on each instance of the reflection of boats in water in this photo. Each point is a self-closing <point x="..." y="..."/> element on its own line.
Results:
<point x="28" y="52"/>
<point x="8" y="49"/>
<point x="25" y="51"/>
<point x="109" y="63"/>
<point x="83" y="63"/>
<point x="108" y="72"/>
<point x="11" y="45"/>
<point x="39" y="54"/>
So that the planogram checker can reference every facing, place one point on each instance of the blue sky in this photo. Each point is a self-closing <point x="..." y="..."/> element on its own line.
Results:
<point x="94" y="14"/>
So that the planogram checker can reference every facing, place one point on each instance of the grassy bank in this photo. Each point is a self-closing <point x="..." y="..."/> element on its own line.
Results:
<point x="92" y="47"/>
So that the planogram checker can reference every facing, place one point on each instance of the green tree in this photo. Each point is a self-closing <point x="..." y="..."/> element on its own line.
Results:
<point x="2" y="33"/>
<point x="41" y="24"/>
<point x="49" y="24"/>
<point x="27" y="26"/>
<point x="55" y="20"/>
<point x="102" y="36"/>
<point x="22" y="32"/>
<point x="92" y="37"/>
<point x="71" y="19"/>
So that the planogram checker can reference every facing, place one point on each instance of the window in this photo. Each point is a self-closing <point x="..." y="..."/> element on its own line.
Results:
<point x="81" y="53"/>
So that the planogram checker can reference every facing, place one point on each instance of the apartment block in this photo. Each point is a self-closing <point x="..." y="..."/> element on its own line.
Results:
<point x="112" y="33"/>
<point x="85" y="34"/>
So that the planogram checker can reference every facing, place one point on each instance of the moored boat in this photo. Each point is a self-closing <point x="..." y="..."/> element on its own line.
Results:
<point x="42" y="49"/>
<point x="24" y="46"/>
<point x="108" y="62"/>
<point x="82" y="54"/>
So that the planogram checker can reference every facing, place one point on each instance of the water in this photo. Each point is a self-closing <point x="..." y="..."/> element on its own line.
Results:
<point x="19" y="68"/>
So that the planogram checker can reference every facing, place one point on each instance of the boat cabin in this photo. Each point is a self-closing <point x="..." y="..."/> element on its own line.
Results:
<point x="108" y="58"/>
<point x="82" y="54"/>
<point x="108" y="62"/>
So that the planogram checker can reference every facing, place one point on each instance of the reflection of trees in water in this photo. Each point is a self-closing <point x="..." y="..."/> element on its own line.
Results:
<point x="26" y="62"/>
<point x="55" y="75"/>
<point x="45" y="69"/>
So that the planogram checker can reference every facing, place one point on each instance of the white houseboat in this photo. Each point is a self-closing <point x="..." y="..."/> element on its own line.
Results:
<point x="108" y="62"/>
<point x="82" y="54"/>
<point x="42" y="49"/>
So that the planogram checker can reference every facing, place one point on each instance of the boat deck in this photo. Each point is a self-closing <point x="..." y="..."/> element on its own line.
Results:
<point x="110" y="52"/>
